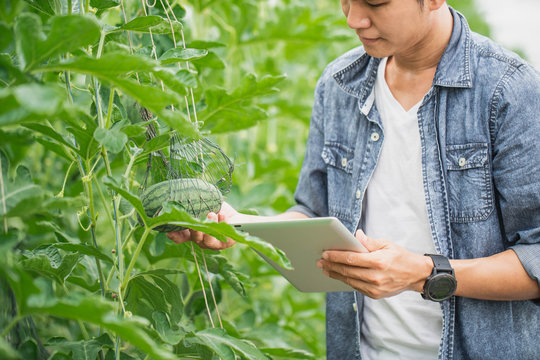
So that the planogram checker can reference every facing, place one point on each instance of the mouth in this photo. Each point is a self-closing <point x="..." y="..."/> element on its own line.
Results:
<point x="367" y="40"/>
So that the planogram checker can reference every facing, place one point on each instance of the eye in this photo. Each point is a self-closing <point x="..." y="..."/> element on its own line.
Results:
<point x="374" y="5"/>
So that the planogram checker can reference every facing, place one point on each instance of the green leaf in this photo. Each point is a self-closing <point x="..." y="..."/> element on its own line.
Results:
<point x="95" y="310"/>
<point x="288" y="353"/>
<point x="156" y="24"/>
<point x="178" y="54"/>
<point x="43" y="6"/>
<point x="218" y="341"/>
<point x="51" y="133"/>
<point x="7" y="352"/>
<point x="81" y="350"/>
<point x="221" y="231"/>
<point x="7" y="36"/>
<point x="163" y="328"/>
<point x="68" y="33"/>
<point x="104" y="4"/>
<point x="212" y="60"/>
<point x="132" y="199"/>
<point x="85" y="250"/>
<point x="114" y="63"/>
<point x="178" y="122"/>
<point x="235" y="111"/>
<point x="49" y="262"/>
<point x="177" y="80"/>
<point x="155" y="144"/>
<point x="42" y="100"/>
<point x="29" y="102"/>
<point x="20" y="193"/>
<point x="114" y="140"/>
<point x="28" y="36"/>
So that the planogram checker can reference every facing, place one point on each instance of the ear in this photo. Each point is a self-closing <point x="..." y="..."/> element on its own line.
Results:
<point x="435" y="4"/>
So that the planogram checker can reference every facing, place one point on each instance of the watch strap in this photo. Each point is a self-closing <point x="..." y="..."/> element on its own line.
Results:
<point x="440" y="264"/>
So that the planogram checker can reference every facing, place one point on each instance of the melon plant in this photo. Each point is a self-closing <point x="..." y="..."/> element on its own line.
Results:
<point x="81" y="84"/>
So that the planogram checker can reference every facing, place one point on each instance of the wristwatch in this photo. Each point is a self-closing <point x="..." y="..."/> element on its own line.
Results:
<point x="442" y="283"/>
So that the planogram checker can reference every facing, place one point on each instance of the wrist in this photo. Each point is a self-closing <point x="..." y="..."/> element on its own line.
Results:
<point x="425" y="268"/>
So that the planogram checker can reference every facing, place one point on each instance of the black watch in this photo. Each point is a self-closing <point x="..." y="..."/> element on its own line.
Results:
<point x="442" y="283"/>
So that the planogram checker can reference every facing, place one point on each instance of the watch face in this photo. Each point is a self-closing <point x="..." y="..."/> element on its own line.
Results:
<point x="441" y="287"/>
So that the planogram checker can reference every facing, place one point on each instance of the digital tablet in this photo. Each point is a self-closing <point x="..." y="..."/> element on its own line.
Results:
<point x="304" y="241"/>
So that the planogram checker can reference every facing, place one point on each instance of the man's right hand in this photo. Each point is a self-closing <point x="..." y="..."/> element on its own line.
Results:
<point x="205" y="241"/>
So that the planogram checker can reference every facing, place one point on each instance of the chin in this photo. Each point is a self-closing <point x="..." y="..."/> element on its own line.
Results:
<point x="377" y="51"/>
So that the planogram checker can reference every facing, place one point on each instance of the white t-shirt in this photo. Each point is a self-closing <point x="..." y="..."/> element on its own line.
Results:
<point x="404" y="326"/>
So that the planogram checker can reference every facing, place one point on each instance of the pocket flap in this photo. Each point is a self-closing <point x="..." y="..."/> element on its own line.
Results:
<point x="466" y="156"/>
<point x="338" y="156"/>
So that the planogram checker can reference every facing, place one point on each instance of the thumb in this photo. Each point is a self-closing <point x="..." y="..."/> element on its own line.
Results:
<point x="369" y="243"/>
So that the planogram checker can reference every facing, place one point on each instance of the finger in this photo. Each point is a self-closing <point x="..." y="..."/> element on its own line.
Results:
<point x="197" y="236"/>
<point x="358" y="285"/>
<point x="179" y="236"/>
<point x="366" y="275"/>
<point x="369" y="243"/>
<point x="349" y="258"/>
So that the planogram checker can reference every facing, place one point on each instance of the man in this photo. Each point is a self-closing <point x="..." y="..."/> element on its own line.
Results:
<point x="427" y="138"/>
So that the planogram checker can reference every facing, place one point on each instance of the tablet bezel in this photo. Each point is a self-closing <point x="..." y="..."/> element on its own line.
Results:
<point x="304" y="241"/>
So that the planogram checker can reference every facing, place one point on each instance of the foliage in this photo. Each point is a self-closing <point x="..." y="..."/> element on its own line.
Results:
<point x="79" y="277"/>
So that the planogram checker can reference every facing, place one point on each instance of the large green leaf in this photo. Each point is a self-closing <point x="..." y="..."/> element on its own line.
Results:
<point x="28" y="36"/>
<point x="29" y="102"/>
<point x="67" y="34"/>
<point x="288" y="353"/>
<point x="115" y="63"/>
<point x="179" y="54"/>
<point x="95" y="310"/>
<point x="81" y="350"/>
<point x="50" y="262"/>
<point x="51" y="133"/>
<point x="7" y="352"/>
<point x="164" y="329"/>
<point x="104" y="4"/>
<point x="20" y="195"/>
<point x="85" y="250"/>
<point x="235" y="111"/>
<point x="221" y="231"/>
<point x="177" y="80"/>
<point x="154" y="23"/>
<point x="221" y="343"/>
<point x="113" y="139"/>
<point x="216" y="264"/>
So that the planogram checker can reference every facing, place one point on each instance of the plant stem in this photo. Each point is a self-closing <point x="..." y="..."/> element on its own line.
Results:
<point x="3" y="197"/>
<point x="134" y="259"/>
<point x="109" y="110"/>
<point x="10" y="325"/>
<point x="92" y="215"/>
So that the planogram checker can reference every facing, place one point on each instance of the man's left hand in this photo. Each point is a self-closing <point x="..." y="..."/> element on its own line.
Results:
<point x="386" y="270"/>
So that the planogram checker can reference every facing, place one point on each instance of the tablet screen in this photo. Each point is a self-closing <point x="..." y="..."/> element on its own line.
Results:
<point x="304" y="241"/>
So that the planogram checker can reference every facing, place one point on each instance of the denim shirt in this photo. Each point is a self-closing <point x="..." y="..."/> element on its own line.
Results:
<point x="480" y="134"/>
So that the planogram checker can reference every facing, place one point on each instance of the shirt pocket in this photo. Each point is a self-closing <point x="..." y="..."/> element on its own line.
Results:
<point x="339" y="160"/>
<point x="469" y="182"/>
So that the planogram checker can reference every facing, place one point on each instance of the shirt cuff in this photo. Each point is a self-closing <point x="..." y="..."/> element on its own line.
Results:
<point x="304" y="210"/>
<point x="529" y="255"/>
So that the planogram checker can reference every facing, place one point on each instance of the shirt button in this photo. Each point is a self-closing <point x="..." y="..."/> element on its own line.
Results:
<point x="355" y="307"/>
<point x="358" y="194"/>
<point x="374" y="136"/>
<point x="462" y="161"/>
<point x="344" y="162"/>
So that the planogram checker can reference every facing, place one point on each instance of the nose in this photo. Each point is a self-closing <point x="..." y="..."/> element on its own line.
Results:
<point x="357" y="16"/>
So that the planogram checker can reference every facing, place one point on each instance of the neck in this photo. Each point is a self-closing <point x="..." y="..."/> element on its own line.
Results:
<point x="427" y="52"/>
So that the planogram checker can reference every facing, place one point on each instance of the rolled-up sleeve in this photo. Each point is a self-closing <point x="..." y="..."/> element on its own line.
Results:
<point x="516" y="164"/>
<point x="311" y="192"/>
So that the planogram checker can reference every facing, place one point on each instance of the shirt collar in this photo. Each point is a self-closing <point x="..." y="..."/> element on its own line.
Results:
<point x="358" y="78"/>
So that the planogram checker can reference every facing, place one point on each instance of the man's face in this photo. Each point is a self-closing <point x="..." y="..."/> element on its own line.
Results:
<point x="388" y="27"/>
